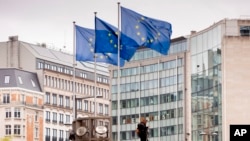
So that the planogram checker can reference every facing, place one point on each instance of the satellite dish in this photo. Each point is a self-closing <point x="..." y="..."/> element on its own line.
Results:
<point x="101" y="129"/>
<point x="81" y="131"/>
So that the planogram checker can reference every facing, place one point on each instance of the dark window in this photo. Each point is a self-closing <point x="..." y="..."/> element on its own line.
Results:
<point x="245" y="30"/>
<point x="7" y="129"/>
<point x="17" y="129"/>
<point x="6" y="98"/>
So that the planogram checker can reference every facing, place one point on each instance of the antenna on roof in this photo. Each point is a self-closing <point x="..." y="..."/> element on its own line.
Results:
<point x="64" y="43"/>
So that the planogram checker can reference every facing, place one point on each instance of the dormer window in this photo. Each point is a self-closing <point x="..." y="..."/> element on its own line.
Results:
<point x="33" y="83"/>
<point x="20" y="80"/>
<point x="7" y="79"/>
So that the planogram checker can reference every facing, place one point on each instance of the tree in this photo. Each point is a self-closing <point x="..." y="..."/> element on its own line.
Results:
<point x="5" y="139"/>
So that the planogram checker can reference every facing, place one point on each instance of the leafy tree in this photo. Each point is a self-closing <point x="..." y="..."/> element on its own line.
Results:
<point x="5" y="139"/>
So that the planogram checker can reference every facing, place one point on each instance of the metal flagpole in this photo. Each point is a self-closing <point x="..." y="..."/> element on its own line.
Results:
<point x="158" y="106"/>
<point x="118" y="77"/>
<point x="139" y="92"/>
<point x="74" y="74"/>
<point x="95" y="78"/>
<point x="176" y="100"/>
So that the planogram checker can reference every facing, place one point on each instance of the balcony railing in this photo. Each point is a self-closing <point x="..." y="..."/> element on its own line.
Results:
<point x="54" y="138"/>
<point x="47" y="138"/>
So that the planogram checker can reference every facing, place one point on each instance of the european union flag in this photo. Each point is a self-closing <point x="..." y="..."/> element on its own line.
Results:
<point x="145" y="31"/>
<point x="107" y="40"/>
<point x="85" y="44"/>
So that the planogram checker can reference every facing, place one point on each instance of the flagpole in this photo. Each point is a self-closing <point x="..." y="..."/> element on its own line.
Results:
<point x="95" y="77"/>
<point x="159" y="99"/>
<point x="176" y="100"/>
<point x="118" y="77"/>
<point x="74" y="74"/>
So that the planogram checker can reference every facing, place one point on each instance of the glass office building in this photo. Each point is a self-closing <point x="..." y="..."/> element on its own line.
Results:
<point x="206" y="84"/>
<point x="219" y="74"/>
<point x="151" y="86"/>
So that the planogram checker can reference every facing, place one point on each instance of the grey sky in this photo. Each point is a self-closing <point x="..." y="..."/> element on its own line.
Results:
<point x="50" y="21"/>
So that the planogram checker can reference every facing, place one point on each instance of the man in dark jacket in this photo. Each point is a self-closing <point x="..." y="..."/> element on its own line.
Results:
<point x="143" y="130"/>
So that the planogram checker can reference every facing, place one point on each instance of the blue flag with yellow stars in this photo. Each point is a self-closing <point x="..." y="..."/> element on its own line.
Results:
<point x="145" y="31"/>
<point x="85" y="44"/>
<point x="107" y="40"/>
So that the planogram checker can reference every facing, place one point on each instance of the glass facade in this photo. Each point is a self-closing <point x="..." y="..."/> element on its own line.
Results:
<point x="206" y="85"/>
<point x="146" y="53"/>
<point x="153" y="91"/>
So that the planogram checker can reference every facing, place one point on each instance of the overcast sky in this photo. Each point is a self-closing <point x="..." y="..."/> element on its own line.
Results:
<point x="51" y="21"/>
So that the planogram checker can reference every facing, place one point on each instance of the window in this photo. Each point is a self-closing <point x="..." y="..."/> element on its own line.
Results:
<point x="60" y="69"/>
<point x="60" y="135"/>
<point x="83" y="75"/>
<point x="54" y="99"/>
<point x="58" y="83"/>
<point x="52" y="82"/>
<point x="60" y="100"/>
<point x="8" y="113"/>
<point x="7" y="79"/>
<point x="47" y="116"/>
<point x="47" y="98"/>
<point x="17" y="129"/>
<point x="6" y="98"/>
<point x="23" y="99"/>
<point x="39" y="65"/>
<point x="33" y="83"/>
<point x="54" y="135"/>
<point x="245" y="30"/>
<point x="20" y="80"/>
<point x="101" y="123"/>
<point x="54" y="117"/>
<point x="106" y="109"/>
<point x="61" y="118"/>
<point x="36" y="132"/>
<point x="36" y="116"/>
<point x="48" y="81"/>
<point x="79" y="104"/>
<point x="67" y="101"/>
<point x="93" y="107"/>
<point x="153" y="132"/>
<point x="35" y="102"/>
<point x="67" y="134"/>
<point x="86" y="105"/>
<point x="45" y="80"/>
<point x="100" y="108"/>
<point x="47" y="134"/>
<point x="67" y="118"/>
<point x="114" y="120"/>
<point x="114" y="105"/>
<point x="47" y="131"/>
<point x="7" y="129"/>
<point x="17" y="113"/>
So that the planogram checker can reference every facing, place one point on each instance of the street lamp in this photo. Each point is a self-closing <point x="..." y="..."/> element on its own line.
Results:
<point x="81" y="98"/>
<point x="212" y="134"/>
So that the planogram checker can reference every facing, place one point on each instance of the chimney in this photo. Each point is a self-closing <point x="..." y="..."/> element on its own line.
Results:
<point x="13" y="38"/>
<point x="193" y="32"/>
<point x="43" y="45"/>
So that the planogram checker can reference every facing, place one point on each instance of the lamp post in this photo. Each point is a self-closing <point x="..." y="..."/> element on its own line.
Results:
<point x="71" y="132"/>
<point x="211" y="134"/>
